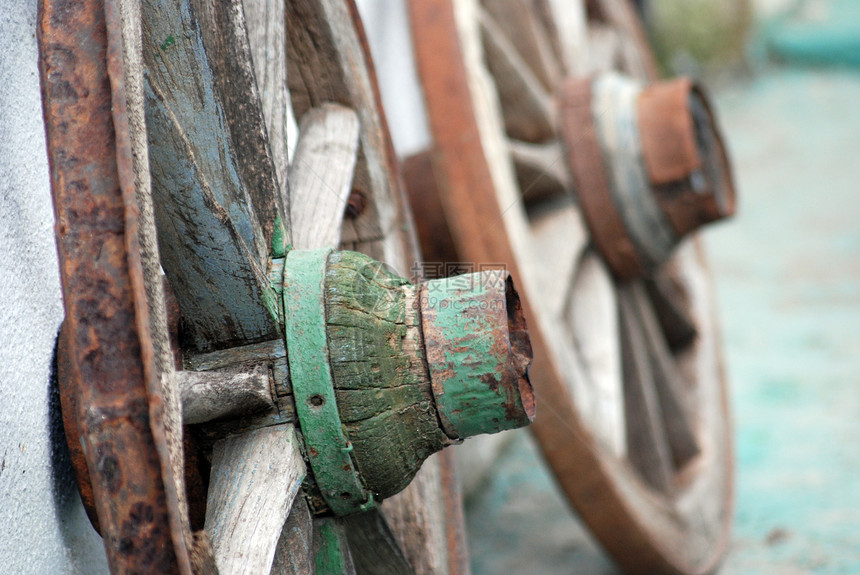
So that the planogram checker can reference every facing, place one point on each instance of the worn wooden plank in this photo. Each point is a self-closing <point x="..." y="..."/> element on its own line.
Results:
<point x="255" y="477"/>
<point x="268" y="357"/>
<point x="647" y="444"/>
<point x="417" y="517"/>
<point x="225" y="38"/>
<point x="672" y="306"/>
<point x="321" y="175"/>
<point x="592" y="317"/>
<point x="332" y="554"/>
<point x="329" y="62"/>
<point x="375" y="549"/>
<point x="526" y="104"/>
<point x="267" y="36"/>
<point x="541" y="169"/>
<point x="294" y="555"/>
<point x="569" y="23"/>
<point x="212" y="246"/>
<point x="604" y="48"/>
<point x="210" y="395"/>
<point x="521" y="25"/>
<point x="675" y="404"/>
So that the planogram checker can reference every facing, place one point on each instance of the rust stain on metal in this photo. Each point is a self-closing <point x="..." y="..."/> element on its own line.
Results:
<point x="684" y="155"/>
<point x="590" y="173"/>
<point x="666" y="131"/>
<point x="105" y="367"/>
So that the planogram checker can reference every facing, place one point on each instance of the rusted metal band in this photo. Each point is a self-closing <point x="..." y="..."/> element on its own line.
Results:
<point x="684" y="156"/>
<point x="590" y="174"/>
<point x="478" y="353"/>
<point x="110" y="356"/>
<point x="614" y="99"/>
<point x="328" y="448"/>
<point x="666" y="127"/>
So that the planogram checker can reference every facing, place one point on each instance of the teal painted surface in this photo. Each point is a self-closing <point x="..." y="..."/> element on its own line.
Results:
<point x="818" y="33"/>
<point x="468" y="353"/>
<point x="330" y="548"/>
<point x="788" y="276"/>
<point x="326" y="445"/>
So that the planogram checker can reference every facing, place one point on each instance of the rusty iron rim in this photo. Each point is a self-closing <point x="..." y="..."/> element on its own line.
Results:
<point x="109" y="361"/>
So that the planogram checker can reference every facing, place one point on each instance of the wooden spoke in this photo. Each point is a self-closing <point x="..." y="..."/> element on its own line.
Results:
<point x="212" y="245"/>
<point x="321" y="175"/>
<point x="226" y="41"/>
<point x="592" y="318"/>
<point x="375" y="549"/>
<point x="526" y="104"/>
<point x="674" y="399"/>
<point x="332" y="555"/>
<point x="294" y="554"/>
<point x="568" y="25"/>
<point x="604" y="48"/>
<point x="328" y="63"/>
<point x="647" y="444"/>
<point x="255" y="477"/>
<point x="559" y="238"/>
<point x="522" y="27"/>
<point x="541" y="170"/>
<point x="638" y="60"/>
<point x="266" y="24"/>
<point x="672" y="306"/>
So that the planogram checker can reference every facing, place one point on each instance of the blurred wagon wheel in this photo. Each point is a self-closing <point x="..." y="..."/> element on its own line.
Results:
<point x="185" y="169"/>
<point x="633" y="413"/>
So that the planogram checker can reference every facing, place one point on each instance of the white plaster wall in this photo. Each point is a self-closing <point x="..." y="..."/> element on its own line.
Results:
<point x="43" y="528"/>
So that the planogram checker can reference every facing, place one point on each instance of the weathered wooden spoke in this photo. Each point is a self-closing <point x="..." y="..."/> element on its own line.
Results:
<point x="541" y="172"/>
<point x="321" y="175"/>
<point x="634" y="419"/>
<point x="527" y="105"/>
<point x="648" y="446"/>
<point x="522" y="27"/>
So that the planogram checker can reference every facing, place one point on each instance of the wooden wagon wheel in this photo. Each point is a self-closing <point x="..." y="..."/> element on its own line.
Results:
<point x="286" y="367"/>
<point x="633" y="412"/>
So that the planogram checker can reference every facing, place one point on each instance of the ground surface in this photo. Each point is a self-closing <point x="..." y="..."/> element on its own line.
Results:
<point x="788" y="277"/>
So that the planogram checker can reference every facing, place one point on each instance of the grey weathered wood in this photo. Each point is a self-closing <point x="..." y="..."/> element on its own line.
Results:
<point x="647" y="444"/>
<point x="213" y="248"/>
<point x="267" y="37"/>
<point x="521" y="25"/>
<point x="321" y="175"/>
<point x="294" y="555"/>
<point x="225" y="38"/>
<point x="417" y="517"/>
<point x="375" y="549"/>
<point x="604" y="48"/>
<point x="268" y="357"/>
<point x="255" y="477"/>
<point x="527" y="106"/>
<point x="569" y="20"/>
<point x="328" y="63"/>
<point x="672" y="306"/>
<point x="210" y="395"/>
<point x="541" y="169"/>
<point x="592" y="316"/>
<point x="674" y="399"/>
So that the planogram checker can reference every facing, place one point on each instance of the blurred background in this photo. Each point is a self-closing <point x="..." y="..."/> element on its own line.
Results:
<point x="785" y="77"/>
